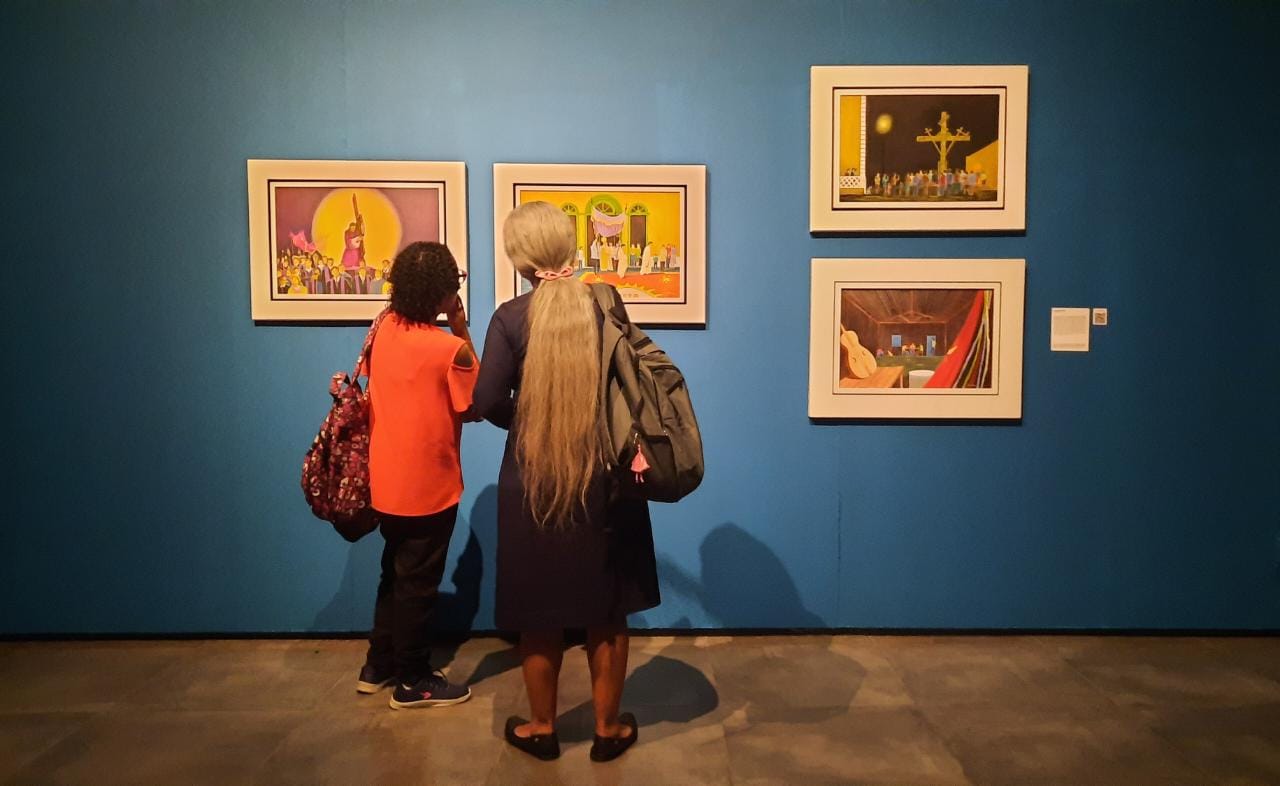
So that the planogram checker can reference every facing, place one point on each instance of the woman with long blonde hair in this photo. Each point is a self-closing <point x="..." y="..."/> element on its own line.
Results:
<point x="571" y="554"/>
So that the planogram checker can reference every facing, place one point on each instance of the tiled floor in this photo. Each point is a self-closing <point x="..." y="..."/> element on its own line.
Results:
<point x="741" y="710"/>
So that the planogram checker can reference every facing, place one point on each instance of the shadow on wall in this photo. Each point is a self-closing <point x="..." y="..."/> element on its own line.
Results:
<point x="455" y="611"/>
<point x="743" y="584"/>
<point x="354" y="590"/>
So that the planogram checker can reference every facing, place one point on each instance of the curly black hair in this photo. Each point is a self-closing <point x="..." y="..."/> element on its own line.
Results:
<point x="423" y="275"/>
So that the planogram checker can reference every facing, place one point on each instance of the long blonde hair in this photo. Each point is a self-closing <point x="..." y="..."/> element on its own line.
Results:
<point x="558" y="443"/>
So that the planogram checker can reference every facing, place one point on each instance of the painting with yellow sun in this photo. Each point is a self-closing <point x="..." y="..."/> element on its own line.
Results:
<point x="332" y="240"/>
<point x="640" y="229"/>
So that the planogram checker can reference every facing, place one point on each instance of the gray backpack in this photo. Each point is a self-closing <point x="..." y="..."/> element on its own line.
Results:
<point x="651" y="435"/>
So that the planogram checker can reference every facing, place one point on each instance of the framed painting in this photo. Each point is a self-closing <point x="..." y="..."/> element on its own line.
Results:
<point x="917" y="148"/>
<point x="916" y="338"/>
<point x="323" y="234"/>
<point x="640" y="228"/>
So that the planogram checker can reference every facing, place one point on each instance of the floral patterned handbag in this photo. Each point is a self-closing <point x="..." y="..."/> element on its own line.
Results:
<point x="335" y="472"/>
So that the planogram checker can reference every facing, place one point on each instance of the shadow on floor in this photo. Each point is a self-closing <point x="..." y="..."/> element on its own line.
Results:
<point x="741" y="584"/>
<point x="645" y="687"/>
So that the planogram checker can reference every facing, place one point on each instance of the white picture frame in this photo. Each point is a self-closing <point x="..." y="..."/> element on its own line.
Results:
<point x="660" y="209"/>
<point x="944" y="338"/>
<point x="300" y="208"/>
<point x="905" y="125"/>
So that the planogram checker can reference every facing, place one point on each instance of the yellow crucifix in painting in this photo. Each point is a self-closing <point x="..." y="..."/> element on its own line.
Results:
<point x="944" y="140"/>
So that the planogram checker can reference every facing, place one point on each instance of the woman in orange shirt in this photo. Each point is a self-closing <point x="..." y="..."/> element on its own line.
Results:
<point x="420" y="384"/>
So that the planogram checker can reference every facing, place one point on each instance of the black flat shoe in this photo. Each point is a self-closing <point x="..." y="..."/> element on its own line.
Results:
<point x="610" y="748"/>
<point x="540" y="746"/>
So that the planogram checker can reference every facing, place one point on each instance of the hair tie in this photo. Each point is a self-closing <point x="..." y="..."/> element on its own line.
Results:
<point x="552" y="275"/>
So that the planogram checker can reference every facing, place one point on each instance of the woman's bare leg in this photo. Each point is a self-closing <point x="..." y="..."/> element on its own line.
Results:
<point x="607" y="649"/>
<point x="541" y="654"/>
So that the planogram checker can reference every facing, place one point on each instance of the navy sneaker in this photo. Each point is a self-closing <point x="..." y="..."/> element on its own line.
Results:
<point x="373" y="679"/>
<point x="432" y="690"/>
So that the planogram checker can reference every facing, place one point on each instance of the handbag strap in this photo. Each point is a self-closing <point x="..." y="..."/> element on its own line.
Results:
<point x="362" y="362"/>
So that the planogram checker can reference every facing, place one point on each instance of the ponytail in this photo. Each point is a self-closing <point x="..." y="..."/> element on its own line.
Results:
<point x="557" y="416"/>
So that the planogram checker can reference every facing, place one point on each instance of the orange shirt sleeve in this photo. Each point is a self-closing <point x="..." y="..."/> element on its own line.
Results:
<point x="462" y="384"/>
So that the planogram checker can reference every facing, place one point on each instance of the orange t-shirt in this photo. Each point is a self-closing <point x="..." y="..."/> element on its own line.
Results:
<point x="418" y="395"/>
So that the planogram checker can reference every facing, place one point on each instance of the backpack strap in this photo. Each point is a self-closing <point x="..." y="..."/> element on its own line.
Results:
<point x="603" y="295"/>
<point x="604" y="300"/>
<point x="362" y="362"/>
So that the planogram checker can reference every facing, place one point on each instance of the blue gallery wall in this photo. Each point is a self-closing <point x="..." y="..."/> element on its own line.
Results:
<point x="155" y="433"/>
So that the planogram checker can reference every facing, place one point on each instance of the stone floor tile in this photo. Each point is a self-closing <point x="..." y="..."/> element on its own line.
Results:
<point x="163" y="746"/>
<point x="1239" y="745"/>
<point x="374" y="744"/>
<point x="656" y="644"/>
<point x="881" y="684"/>
<point x="252" y="675"/>
<point x="23" y="736"/>
<point x="82" y="676"/>
<point x="963" y="681"/>
<point x="967" y="670"/>
<point x="759" y="709"/>
<point x="1202" y="685"/>
<point x="1257" y="654"/>
<point x="1113" y="650"/>
<point x="817" y="683"/>
<point x="1001" y="744"/>
<point x="709" y="642"/>
<point x="874" y="745"/>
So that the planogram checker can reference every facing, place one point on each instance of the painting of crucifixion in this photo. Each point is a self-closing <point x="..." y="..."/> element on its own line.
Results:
<point x="918" y="148"/>
<point x="932" y="150"/>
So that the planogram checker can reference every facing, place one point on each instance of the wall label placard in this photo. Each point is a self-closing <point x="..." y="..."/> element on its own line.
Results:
<point x="1069" y="330"/>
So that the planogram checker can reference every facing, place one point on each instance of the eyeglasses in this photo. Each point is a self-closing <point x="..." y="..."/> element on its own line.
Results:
<point x="462" y="276"/>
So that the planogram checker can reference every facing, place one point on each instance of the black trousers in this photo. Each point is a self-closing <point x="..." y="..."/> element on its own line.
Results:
<point x="412" y="566"/>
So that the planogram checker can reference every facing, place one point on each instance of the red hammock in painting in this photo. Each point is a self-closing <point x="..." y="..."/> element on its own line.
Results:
<point x="968" y="362"/>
